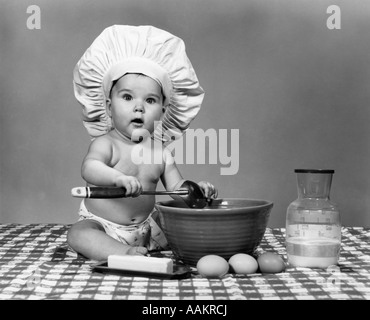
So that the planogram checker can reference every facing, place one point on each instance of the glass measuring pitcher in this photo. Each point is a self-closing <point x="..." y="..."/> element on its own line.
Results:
<point x="313" y="226"/>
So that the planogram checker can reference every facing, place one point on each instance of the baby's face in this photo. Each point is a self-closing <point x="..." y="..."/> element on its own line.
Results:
<point x="136" y="102"/>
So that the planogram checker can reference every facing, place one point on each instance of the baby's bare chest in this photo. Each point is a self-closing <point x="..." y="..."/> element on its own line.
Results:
<point x="129" y="162"/>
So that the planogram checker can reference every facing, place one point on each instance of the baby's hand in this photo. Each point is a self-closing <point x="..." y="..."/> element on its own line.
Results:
<point x="209" y="189"/>
<point x="131" y="184"/>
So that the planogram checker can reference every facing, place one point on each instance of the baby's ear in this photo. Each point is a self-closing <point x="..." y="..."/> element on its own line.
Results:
<point x="108" y="104"/>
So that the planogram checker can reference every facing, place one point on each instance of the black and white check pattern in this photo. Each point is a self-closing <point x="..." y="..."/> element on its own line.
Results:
<point x="35" y="263"/>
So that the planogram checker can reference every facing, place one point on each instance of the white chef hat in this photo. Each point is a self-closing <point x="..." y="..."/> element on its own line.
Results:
<point x="121" y="49"/>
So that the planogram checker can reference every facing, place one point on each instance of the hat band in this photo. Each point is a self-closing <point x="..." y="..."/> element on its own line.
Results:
<point x="138" y="65"/>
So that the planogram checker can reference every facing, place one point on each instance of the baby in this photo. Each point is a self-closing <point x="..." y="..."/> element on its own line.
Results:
<point x="135" y="102"/>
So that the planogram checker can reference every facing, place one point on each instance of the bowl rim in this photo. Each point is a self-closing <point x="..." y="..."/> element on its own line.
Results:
<point x="185" y="210"/>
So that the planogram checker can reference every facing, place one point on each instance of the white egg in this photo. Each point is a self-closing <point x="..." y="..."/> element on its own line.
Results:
<point x="243" y="263"/>
<point x="212" y="266"/>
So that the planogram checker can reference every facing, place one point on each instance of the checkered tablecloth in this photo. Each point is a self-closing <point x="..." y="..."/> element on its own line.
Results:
<point x="35" y="263"/>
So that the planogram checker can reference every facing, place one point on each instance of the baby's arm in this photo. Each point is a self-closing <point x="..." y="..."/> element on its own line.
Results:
<point x="97" y="168"/>
<point x="171" y="176"/>
<point x="172" y="179"/>
<point x="210" y="191"/>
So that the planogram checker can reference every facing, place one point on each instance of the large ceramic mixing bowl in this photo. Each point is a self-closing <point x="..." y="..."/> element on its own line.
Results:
<point x="226" y="227"/>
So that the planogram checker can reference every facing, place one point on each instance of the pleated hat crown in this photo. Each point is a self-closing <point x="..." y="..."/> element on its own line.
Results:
<point x="156" y="53"/>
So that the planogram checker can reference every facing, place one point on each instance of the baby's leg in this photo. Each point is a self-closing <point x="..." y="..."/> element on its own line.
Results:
<point x="88" y="238"/>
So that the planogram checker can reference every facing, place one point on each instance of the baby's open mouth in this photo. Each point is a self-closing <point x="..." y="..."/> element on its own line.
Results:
<point x="138" y="120"/>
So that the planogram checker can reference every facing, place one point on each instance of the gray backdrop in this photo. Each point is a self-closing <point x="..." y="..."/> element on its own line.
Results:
<point x="297" y="91"/>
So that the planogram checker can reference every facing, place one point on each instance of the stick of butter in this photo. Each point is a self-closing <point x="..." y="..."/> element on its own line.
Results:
<point x="141" y="263"/>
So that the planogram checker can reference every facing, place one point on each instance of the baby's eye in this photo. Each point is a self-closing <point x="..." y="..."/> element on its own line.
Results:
<point x="127" y="97"/>
<point x="151" y="100"/>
